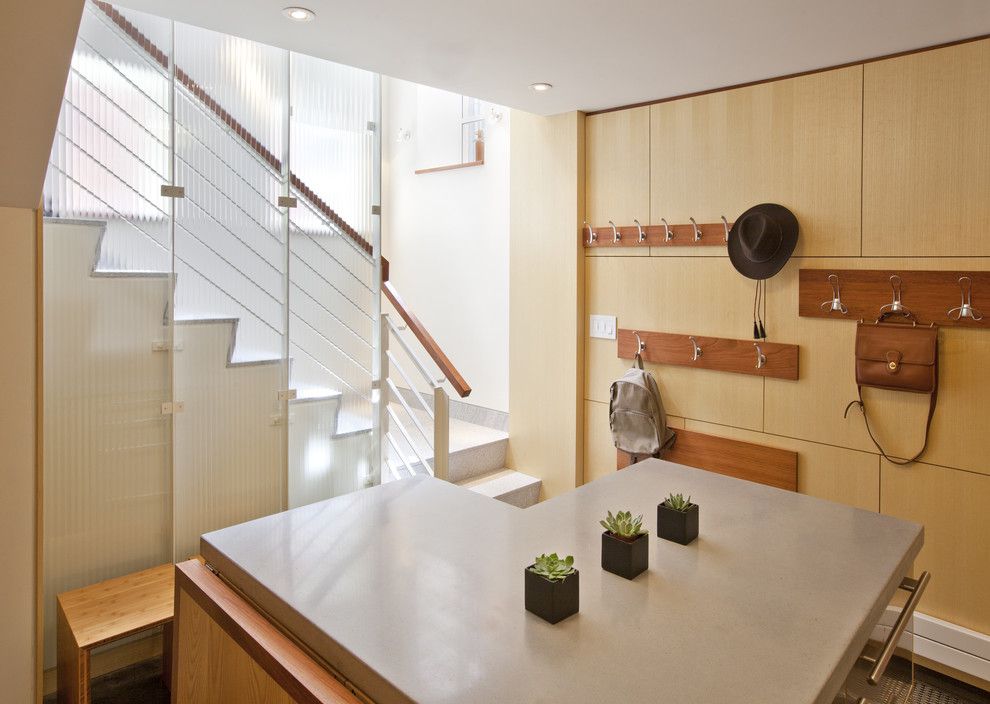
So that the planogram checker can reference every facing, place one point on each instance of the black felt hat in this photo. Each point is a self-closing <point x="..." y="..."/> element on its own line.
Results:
<point x="762" y="240"/>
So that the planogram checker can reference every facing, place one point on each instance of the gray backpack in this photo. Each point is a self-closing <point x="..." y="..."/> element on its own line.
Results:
<point x="636" y="414"/>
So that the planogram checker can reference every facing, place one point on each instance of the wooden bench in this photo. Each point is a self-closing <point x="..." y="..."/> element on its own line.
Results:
<point x="107" y="611"/>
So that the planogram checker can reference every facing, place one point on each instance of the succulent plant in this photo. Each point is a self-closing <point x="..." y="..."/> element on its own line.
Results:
<point x="677" y="502"/>
<point x="623" y="525"/>
<point x="552" y="567"/>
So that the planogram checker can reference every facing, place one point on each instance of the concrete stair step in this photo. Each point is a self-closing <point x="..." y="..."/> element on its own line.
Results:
<point x="506" y="485"/>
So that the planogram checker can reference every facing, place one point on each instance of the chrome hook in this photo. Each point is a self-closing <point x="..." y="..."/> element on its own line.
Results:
<point x="592" y="235"/>
<point x="668" y="236"/>
<point x="725" y="224"/>
<point x="697" y="350"/>
<point x="642" y="235"/>
<point x="640" y="345"/>
<point x="965" y="308"/>
<point x="895" y="306"/>
<point x="761" y="359"/>
<point x="615" y="233"/>
<point x="836" y="302"/>
<point x="697" y="230"/>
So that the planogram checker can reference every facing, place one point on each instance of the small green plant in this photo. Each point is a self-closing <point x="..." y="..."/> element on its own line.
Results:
<point x="623" y="525"/>
<point x="678" y="502"/>
<point x="552" y="567"/>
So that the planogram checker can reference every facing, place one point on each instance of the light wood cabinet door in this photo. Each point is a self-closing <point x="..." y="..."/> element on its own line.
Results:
<point x="796" y="142"/>
<point x="952" y="505"/>
<point x="926" y="151"/>
<point x="617" y="176"/>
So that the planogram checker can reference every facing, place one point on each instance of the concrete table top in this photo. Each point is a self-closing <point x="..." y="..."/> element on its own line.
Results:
<point x="413" y="591"/>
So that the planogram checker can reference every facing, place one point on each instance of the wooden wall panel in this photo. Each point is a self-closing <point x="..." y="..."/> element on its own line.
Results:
<point x="926" y="146"/>
<point x="832" y="473"/>
<point x="618" y="168"/>
<point x="795" y="142"/>
<point x="692" y="295"/>
<point x="952" y="505"/>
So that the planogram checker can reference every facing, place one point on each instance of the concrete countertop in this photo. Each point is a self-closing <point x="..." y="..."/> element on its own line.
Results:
<point x="414" y="591"/>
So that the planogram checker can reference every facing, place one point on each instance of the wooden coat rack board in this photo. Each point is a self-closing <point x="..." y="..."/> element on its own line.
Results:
<point x="707" y="235"/>
<point x="717" y="353"/>
<point x="859" y="294"/>
<point x="735" y="458"/>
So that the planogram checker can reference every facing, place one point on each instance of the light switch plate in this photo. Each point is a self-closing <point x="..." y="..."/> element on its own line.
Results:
<point x="603" y="326"/>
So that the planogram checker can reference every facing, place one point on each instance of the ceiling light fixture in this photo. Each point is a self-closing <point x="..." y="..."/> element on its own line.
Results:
<point x="299" y="14"/>
<point x="540" y="87"/>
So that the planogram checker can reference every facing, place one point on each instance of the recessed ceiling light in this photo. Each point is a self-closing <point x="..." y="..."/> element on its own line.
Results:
<point x="299" y="14"/>
<point x="540" y="87"/>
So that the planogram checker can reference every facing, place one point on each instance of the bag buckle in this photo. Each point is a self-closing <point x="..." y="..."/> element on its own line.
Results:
<point x="893" y="361"/>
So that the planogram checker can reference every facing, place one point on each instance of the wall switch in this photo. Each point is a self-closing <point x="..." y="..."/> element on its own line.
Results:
<point x="603" y="326"/>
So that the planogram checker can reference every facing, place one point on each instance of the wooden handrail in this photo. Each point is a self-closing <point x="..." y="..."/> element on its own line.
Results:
<point x="427" y="341"/>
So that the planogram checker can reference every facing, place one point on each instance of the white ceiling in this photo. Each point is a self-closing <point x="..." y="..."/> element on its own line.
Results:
<point x="597" y="54"/>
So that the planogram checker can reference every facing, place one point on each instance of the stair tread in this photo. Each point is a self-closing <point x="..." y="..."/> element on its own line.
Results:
<point x="506" y="484"/>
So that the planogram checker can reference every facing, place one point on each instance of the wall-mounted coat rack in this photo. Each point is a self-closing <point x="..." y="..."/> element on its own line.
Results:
<point x="957" y="298"/>
<point x="760" y="358"/>
<point x="692" y="234"/>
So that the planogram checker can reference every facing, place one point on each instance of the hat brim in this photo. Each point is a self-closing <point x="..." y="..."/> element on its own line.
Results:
<point x="789" y="235"/>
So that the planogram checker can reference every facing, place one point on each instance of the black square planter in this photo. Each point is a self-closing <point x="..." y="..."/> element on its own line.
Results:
<point x="551" y="601"/>
<point x="677" y="526"/>
<point x="626" y="558"/>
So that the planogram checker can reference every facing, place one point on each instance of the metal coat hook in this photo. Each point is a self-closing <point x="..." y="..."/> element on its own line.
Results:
<point x="642" y="235"/>
<point x="592" y="235"/>
<point x="667" y="234"/>
<point x="697" y="350"/>
<point x="836" y="302"/>
<point x="725" y="224"/>
<point x="697" y="230"/>
<point x="640" y="345"/>
<point x="615" y="233"/>
<point x="895" y="306"/>
<point x="761" y="359"/>
<point x="965" y="308"/>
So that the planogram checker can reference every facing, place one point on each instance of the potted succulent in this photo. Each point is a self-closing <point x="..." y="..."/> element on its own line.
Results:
<point x="677" y="519"/>
<point x="552" y="587"/>
<point x="625" y="544"/>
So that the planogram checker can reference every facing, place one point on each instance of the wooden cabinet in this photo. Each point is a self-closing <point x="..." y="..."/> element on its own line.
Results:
<point x="926" y="150"/>
<point x="617" y="177"/>
<point x="795" y="142"/>
<point x="952" y="505"/>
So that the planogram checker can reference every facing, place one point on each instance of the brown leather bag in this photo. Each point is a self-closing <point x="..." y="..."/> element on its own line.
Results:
<point x="897" y="357"/>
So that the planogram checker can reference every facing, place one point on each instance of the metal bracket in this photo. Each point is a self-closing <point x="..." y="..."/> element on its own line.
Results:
<point x="287" y="202"/>
<point x="170" y="408"/>
<point x="372" y="126"/>
<point x="376" y="210"/>
<point x="287" y="395"/>
<point x="163" y="346"/>
<point x="173" y="191"/>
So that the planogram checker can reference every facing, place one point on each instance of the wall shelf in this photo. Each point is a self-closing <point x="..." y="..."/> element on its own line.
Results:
<point x="861" y="293"/>
<point x="717" y="353"/>
<point x="735" y="458"/>
<point x="712" y="235"/>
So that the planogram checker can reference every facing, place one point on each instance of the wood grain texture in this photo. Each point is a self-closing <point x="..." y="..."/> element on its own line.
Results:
<point x="717" y="353"/>
<point x="929" y="294"/>
<point x="546" y="299"/>
<point x="712" y="235"/>
<point x="617" y="182"/>
<point x="426" y="340"/>
<point x="952" y="505"/>
<point x="743" y="460"/>
<point x="73" y="664"/>
<point x="926" y="145"/>
<point x="795" y="142"/>
<point x="226" y="651"/>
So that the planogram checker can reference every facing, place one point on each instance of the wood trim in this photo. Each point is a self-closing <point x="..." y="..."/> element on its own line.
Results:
<point x="785" y="76"/>
<point x="450" y="167"/>
<point x="285" y="662"/>
<point x="427" y="341"/>
<point x="39" y="454"/>
<point x="718" y="353"/>
<point x="743" y="460"/>
<point x="712" y="235"/>
<point x="928" y="294"/>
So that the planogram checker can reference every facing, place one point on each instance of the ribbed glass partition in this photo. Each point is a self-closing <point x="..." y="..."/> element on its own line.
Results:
<point x="211" y="292"/>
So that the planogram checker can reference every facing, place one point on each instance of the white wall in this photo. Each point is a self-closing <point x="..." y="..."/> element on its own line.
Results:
<point x="17" y="466"/>
<point x="446" y="234"/>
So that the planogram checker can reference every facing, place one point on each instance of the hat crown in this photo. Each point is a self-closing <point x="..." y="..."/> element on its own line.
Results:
<point x="760" y="236"/>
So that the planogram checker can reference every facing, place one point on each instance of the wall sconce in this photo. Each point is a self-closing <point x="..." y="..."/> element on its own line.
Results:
<point x="403" y="135"/>
<point x="495" y="114"/>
